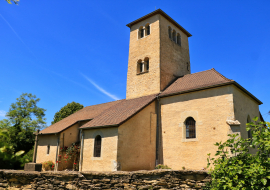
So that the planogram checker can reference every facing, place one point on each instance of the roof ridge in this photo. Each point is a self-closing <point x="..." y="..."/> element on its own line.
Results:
<point x="104" y="111"/>
<point x="126" y="103"/>
<point x="196" y="72"/>
<point x="221" y="75"/>
<point x="104" y="103"/>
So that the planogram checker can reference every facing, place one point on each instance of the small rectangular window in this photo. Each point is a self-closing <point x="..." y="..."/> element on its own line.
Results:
<point x="48" y="149"/>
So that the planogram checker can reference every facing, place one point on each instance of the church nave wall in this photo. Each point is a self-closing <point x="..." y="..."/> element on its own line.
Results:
<point x="210" y="109"/>
<point x="107" y="160"/>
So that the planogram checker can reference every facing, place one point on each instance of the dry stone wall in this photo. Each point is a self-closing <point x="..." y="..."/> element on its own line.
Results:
<point x="154" y="179"/>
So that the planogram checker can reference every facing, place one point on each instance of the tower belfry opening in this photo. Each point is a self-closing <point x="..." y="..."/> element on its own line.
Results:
<point x="158" y="53"/>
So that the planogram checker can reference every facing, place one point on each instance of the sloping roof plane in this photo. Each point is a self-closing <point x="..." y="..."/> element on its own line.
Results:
<point x="199" y="81"/>
<point x="117" y="112"/>
<point x="195" y="81"/>
<point x="121" y="112"/>
<point x="86" y="113"/>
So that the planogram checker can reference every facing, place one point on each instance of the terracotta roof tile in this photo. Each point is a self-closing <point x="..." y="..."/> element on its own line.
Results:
<point x="119" y="113"/>
<point x="88" y="112"/>
<point x="196" y="80"/>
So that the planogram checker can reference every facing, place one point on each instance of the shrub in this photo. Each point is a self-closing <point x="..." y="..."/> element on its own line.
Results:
<point x="70" y="153"/>
<point x="160" y="166"/>
<point x="235" y="168"/>
<point x="28" y="157"/>
<point x="48" y="165"/>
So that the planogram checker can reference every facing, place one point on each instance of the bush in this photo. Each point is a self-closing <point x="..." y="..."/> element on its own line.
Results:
<point x="235" y="168"/>
<point x="48" y="165"/>
<point x="160" y="166"/>
<point x="71" y="153"/>
<point x="28" y="157"/>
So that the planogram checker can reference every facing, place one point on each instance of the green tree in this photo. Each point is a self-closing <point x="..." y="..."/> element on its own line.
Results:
<point x="14" y="1"/>
<point x="7" y="154"/>
<point x="66" y="111"/>
<point x="24" y="117"/>
<point x="236" y="168"/>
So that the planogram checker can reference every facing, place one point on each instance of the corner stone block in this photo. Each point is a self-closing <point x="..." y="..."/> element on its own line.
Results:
<point x="33" y="167"/>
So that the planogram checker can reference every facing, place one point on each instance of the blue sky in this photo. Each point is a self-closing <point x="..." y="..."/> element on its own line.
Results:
<point x="78" y="50"/>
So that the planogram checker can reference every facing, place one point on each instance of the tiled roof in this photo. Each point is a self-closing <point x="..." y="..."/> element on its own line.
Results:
<point x="159" y="11"/>
<point x="196" y="81"/>
<point x="88" y="112"/>
<point x="119" y="113"/>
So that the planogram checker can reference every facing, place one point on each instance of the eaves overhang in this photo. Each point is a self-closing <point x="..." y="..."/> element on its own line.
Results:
<point x="213" y="86"/>
<point x="51" y="133"/>
<point x="159" y="11"/>
<point x="98" y="127"/>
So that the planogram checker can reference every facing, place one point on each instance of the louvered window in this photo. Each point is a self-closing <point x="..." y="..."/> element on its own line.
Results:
<point x="190" y="128"/>
<point x="147" y="65"/>
<point x="170" y="32"/>
<point x="179" y="39"/>
<point x="97" y="148"/>
<point x="174" y="35"/>
<point x="147" y="29"/>
<point x="142" y="33"/>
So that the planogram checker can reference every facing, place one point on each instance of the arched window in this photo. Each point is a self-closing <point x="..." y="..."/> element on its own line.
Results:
<point x="170" y="32"/>
<point x="190" y="128"/>
<point x="178" y="39"/>
<point x="141" y="32"/>
<point x="140" y="68"/>
<point x="97" y="146"/>
<point x="249" y="132"/>
<point x="174" y="36"/>
<point x="146" y="64"/>
<point x="147" y="29"/>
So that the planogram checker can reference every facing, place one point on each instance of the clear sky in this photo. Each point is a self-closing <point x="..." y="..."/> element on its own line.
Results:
<point x="64" y="51"/>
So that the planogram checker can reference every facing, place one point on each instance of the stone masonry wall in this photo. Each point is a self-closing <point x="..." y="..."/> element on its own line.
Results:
<point x="154" y="179"/>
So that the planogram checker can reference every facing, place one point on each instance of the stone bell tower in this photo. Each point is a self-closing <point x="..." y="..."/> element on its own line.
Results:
<point x="158" y="54"/>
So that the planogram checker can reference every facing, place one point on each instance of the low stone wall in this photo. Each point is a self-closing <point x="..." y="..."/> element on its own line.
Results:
<point x="155" y="179"/>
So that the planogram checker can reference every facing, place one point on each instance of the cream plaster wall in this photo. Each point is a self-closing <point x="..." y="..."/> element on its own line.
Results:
<point x="244" y="106"/>
<point x="137" y="141"/>
<point x="108" y="159"/>
<point x="69" y="136"/>
<point x="43" y="142"/>
<point x="210" y="108"/>
<point x="174" y="59"/>
<point x="147" y="83"/>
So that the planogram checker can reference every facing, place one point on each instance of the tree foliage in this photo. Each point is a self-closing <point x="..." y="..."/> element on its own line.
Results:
<point x="24" y="118"/>
<point x="235" y="167"/>
<point x="7" y="153"/>
<point x="14" y="1"/>
<point x="67" y="110"/>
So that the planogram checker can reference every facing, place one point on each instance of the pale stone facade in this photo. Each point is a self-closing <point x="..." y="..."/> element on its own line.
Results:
<point x="150" y="126"/>
<point x="137" y="141"/>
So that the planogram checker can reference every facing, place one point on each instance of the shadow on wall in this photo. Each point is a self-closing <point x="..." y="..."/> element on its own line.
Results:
<point x="44" y="140"/>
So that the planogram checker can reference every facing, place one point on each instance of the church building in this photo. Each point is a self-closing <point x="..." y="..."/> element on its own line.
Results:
<point x="170" y="116"/>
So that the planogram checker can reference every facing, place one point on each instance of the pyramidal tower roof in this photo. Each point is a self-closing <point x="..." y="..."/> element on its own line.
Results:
<point x="159" y="11"/>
